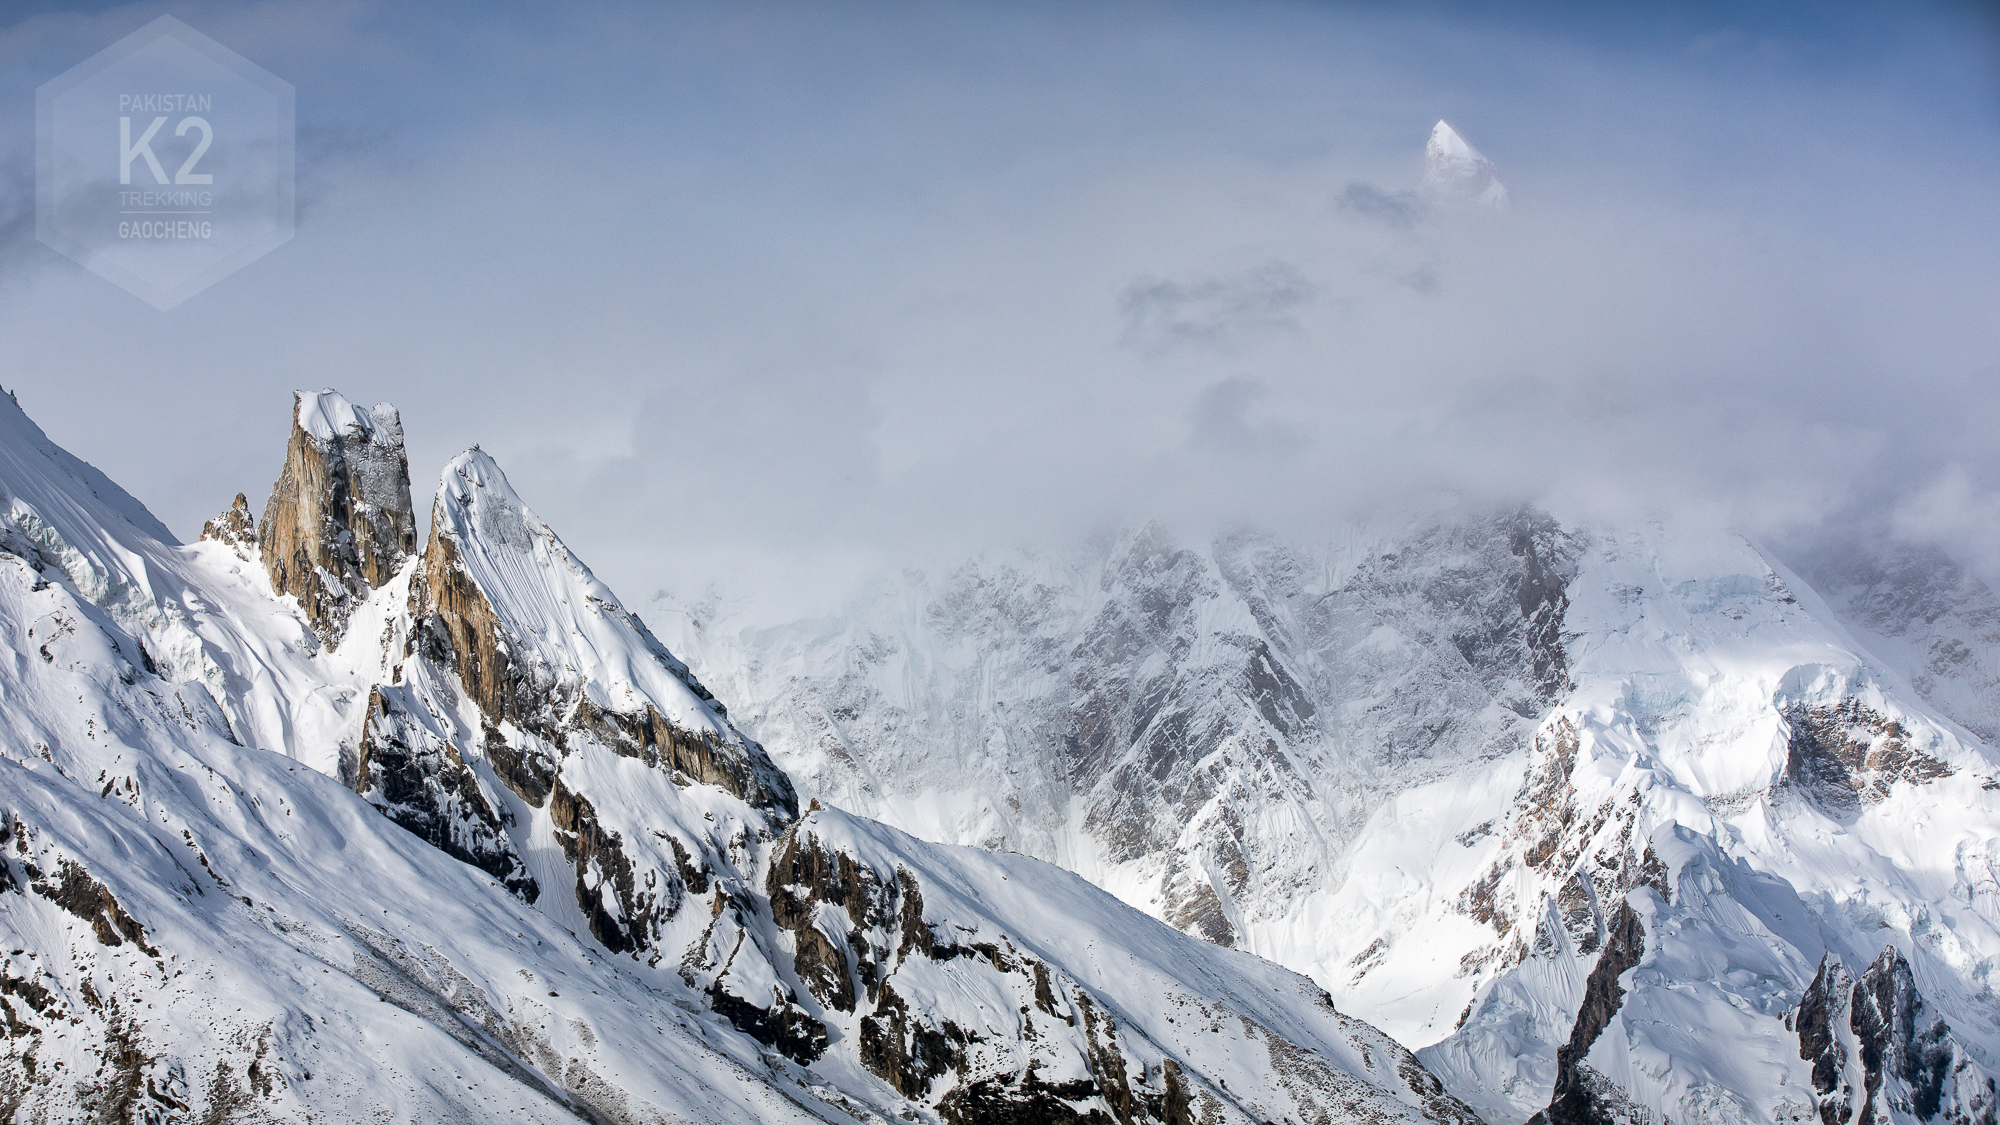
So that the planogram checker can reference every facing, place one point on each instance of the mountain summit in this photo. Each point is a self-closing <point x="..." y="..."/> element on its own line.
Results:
<point x="1455" y="174"/>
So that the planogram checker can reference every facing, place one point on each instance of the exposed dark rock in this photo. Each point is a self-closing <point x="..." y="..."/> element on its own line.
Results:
<point x="1577" y="1099"/>
<point x="423" y="783"/>
<point x="119" y="1084"/>
<point x="1541" y="589"/>
<point x="1846" y="754"/>
<point x="783" y="1025"/>
<point x="1176" y="1110"/>
<point x="602" y="869"/>
<point x="75" y="891"/>
<point x="1908" y="1065"/>
<point x="907" y="1053"/>
<point x="529" y="772"/>
<point x="1900" y="1038"/>
<point x="1821" y="1012"/>
<point x="803" y="876"/>
<point x="993" y="1101"/>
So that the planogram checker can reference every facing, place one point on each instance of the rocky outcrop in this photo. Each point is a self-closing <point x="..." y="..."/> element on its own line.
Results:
<point x="854" y="928"/>
<point x="1846" y="754"/>
<point x="458" y="626"/>
<point x="1879" y="1053"/>
<point x="411" y="772"/>
<point x="1581" y="1096"/>
<point x="339" y="522"/>
<point x="1585" y="855"/>
<point x="540" y="682"/>
<point x="981" y="1028"/>
<point x="234" y="528"/>
<point x="1182" y="699"/>
<point x="1821" y="1013"/>
<point x="1161" y="722"/>
<point x="624" y="910"/>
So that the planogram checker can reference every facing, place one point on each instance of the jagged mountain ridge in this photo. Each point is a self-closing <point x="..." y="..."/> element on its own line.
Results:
<point x="1439" y="767"/>
<point x="590" y="896"/>
<point x="1162" y="718"/>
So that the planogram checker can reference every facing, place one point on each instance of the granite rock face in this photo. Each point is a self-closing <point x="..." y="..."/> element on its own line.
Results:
<point x="339" y="522"/>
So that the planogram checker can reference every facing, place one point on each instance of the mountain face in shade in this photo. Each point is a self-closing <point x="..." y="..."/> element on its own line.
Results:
<point x="497" y="854"/>
<point x="1455" y="174"/>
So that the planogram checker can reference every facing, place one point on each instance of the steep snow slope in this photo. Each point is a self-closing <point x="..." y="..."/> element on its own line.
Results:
<point x="1580" y="812"/>
<point x="1928" y="618"/>
<point x="591" y="896"/>
<point x="1761" y="794"/>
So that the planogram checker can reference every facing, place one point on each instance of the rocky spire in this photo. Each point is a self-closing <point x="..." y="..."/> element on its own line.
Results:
<point x="339" y="521"/>
<point x="235" y="527"/>
<point x="1455" y="174"/>
<point x="1880" y="1053"/>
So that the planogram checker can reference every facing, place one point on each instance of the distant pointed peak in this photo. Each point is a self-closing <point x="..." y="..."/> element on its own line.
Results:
<point x="1456" y="173"/>
<point x="1446" y="142"/>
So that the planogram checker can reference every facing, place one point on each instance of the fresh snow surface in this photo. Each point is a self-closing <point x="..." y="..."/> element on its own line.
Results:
<point x="327" y="416"/>
<point x="581" y="640"/>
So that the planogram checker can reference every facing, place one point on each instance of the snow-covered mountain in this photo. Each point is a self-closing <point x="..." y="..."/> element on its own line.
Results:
<point x="1607" y="822"/>
<point x="303" y="823"/>
<point x="1455" y="174"/>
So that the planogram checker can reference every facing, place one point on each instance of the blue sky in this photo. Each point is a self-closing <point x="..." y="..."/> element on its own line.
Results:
<point x="777" y="290"/>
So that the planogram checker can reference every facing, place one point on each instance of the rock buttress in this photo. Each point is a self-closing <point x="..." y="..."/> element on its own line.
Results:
<point x="339" y="522"/>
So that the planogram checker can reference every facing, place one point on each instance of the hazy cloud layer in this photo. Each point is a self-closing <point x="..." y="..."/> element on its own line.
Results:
<point x="1398" y="210"/>
<point x="1215" y="310"/>
<point x="774" y="293"/>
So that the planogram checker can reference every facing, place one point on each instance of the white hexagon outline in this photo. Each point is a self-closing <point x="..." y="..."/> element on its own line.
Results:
<point x="160" y="297"/>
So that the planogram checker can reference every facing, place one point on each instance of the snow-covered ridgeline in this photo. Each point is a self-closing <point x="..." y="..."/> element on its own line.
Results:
<point x="573" y="905"/>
